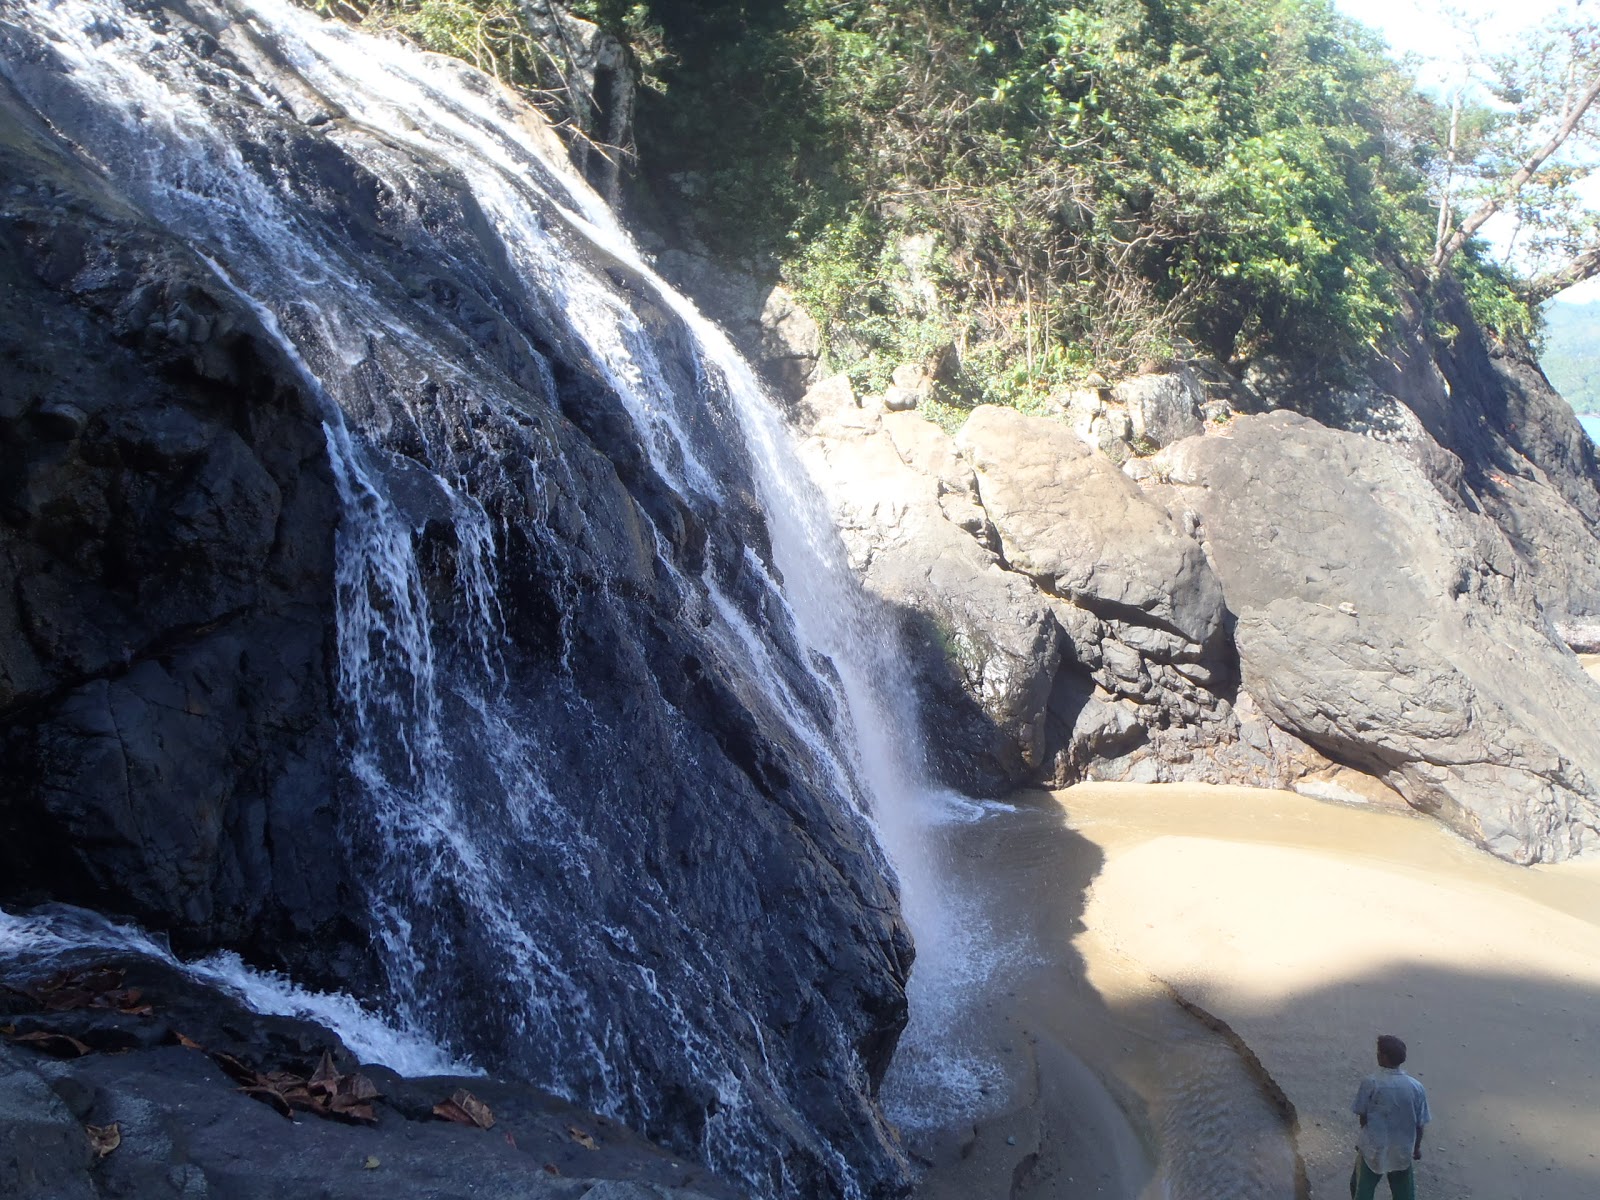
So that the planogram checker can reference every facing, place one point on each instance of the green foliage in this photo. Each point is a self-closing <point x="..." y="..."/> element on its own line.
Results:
<point x="1100" y="182"/>
<point x="1494" y="298"/>
<point x="1053" y="189"/>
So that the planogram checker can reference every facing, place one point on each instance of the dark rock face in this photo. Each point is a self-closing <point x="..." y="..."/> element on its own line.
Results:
<point x="1479" y="416"/>
<point x="183" y="1126"/>
<point x="376" y="593"/>
<point x="166" y="542"/>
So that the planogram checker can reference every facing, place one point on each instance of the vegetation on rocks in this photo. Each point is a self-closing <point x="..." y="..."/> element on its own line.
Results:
<point x="1052" y="188"/>
<point x="1057" y="188"/>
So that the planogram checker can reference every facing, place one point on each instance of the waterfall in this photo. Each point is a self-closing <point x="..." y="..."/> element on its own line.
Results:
<point x="474" y="322"/>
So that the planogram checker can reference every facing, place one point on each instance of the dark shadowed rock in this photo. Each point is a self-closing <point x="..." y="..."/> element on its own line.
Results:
<point x="1385" y="623"/>
<point x="166" y="540"/>
<point x="182" y="1126"/>
<point x="352" y="614"/>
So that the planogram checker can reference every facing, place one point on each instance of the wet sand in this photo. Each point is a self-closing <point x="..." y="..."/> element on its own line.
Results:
<point x="1304" y="929"/>
<point x="1109" y="1088"/>
<point x="1310" y="927"/>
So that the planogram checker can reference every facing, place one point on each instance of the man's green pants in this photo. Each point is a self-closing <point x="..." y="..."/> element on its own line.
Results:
<point x="1364" y="1182"/>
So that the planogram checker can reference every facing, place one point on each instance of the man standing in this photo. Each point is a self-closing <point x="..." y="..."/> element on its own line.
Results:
<point x="1393" y="1108"/>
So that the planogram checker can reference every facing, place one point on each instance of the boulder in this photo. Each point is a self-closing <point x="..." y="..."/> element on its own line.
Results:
<point x="1385" y="623"/>
<point x="1163" y="408"/>
<point x="1064" y="625"/>
<point x="173" y="1123"/>
<point x="1068" y="518"/>
<point x="986" y="645"/>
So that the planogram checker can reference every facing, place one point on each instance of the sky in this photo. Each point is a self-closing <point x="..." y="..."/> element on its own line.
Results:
<point x="1421" y="27"/>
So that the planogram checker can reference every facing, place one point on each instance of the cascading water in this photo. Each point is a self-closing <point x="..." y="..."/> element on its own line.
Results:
<point x="530" y="630"/>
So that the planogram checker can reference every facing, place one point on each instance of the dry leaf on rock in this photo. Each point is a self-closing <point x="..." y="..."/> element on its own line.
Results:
<point x="234" y="1069"/>
<point x="187" y="1043"/>
<point x="58" y="1044"/>
<point x="465" y="1109"/>
<point x="270" y="1097"/>
<point x="103" y="1139"/>
<point x="582" y="1136"/>
<point x="91" y="987"/>
<point x="326" y="1093"/>
<point x="372" y="1163"/>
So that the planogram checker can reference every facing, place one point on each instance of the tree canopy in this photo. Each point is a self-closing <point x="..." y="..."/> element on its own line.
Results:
<point x="1057" y="187"/>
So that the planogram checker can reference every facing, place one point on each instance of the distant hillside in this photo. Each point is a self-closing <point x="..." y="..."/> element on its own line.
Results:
<point x="1571" y="356"/>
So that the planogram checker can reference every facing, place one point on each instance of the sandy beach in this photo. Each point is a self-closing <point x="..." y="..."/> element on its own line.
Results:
<point x="1305" y="929"/>
<point x="1196" y="977"/>
<point x="1309" y="928"/>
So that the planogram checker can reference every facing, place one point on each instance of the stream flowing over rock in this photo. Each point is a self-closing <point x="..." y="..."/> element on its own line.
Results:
<point x="393" y="589"/>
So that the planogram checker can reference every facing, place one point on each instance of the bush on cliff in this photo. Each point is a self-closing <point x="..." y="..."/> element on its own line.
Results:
<point x="1053" y="188"/>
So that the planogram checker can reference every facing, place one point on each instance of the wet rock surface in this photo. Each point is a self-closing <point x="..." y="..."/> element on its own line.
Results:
<point x="148" y="1111"/>
<point x="353" y="615"/>
<point x="166" y="546"/>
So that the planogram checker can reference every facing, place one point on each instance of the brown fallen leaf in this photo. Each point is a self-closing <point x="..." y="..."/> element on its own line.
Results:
<point x="358" y="1086"/>
<point x="480" y="1112"/>
<point x="271" y="1098"/>
<point x="58" y="1044"/>
<point x="465" y="1109"/>
<point x="325" y="1078"/>
<point x="187" y="1043"/>
<point x="582" y="1136"/>
<point x="92" y="987"/>
<point x="235" y="1070"/>
<point x="552" y="1168"/>
<point x="103" y="1139"/>
<point x="352" y="1111"/>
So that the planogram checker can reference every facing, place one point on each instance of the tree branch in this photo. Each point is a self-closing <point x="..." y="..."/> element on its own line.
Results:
<point x="1515" y="184"/>
<point x="1585" y="266"/>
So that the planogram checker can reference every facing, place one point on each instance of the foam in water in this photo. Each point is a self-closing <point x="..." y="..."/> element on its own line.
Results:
<point x="39" y="939"/>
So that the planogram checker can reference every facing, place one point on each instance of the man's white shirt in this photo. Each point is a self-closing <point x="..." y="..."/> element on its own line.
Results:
<point x="1396" y="1108"/>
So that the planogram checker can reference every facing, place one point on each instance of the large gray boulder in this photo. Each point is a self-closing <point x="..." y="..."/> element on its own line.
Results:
<point x="988" y="644"/>
<point x="1162" y="408"/>
<point x="1385" y="623"/>
<point x="1063" y="625"/>
<point x="1084" y="530"/>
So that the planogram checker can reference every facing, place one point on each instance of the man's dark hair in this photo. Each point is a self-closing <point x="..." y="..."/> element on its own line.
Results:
<point x="1392" y="1048"/>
